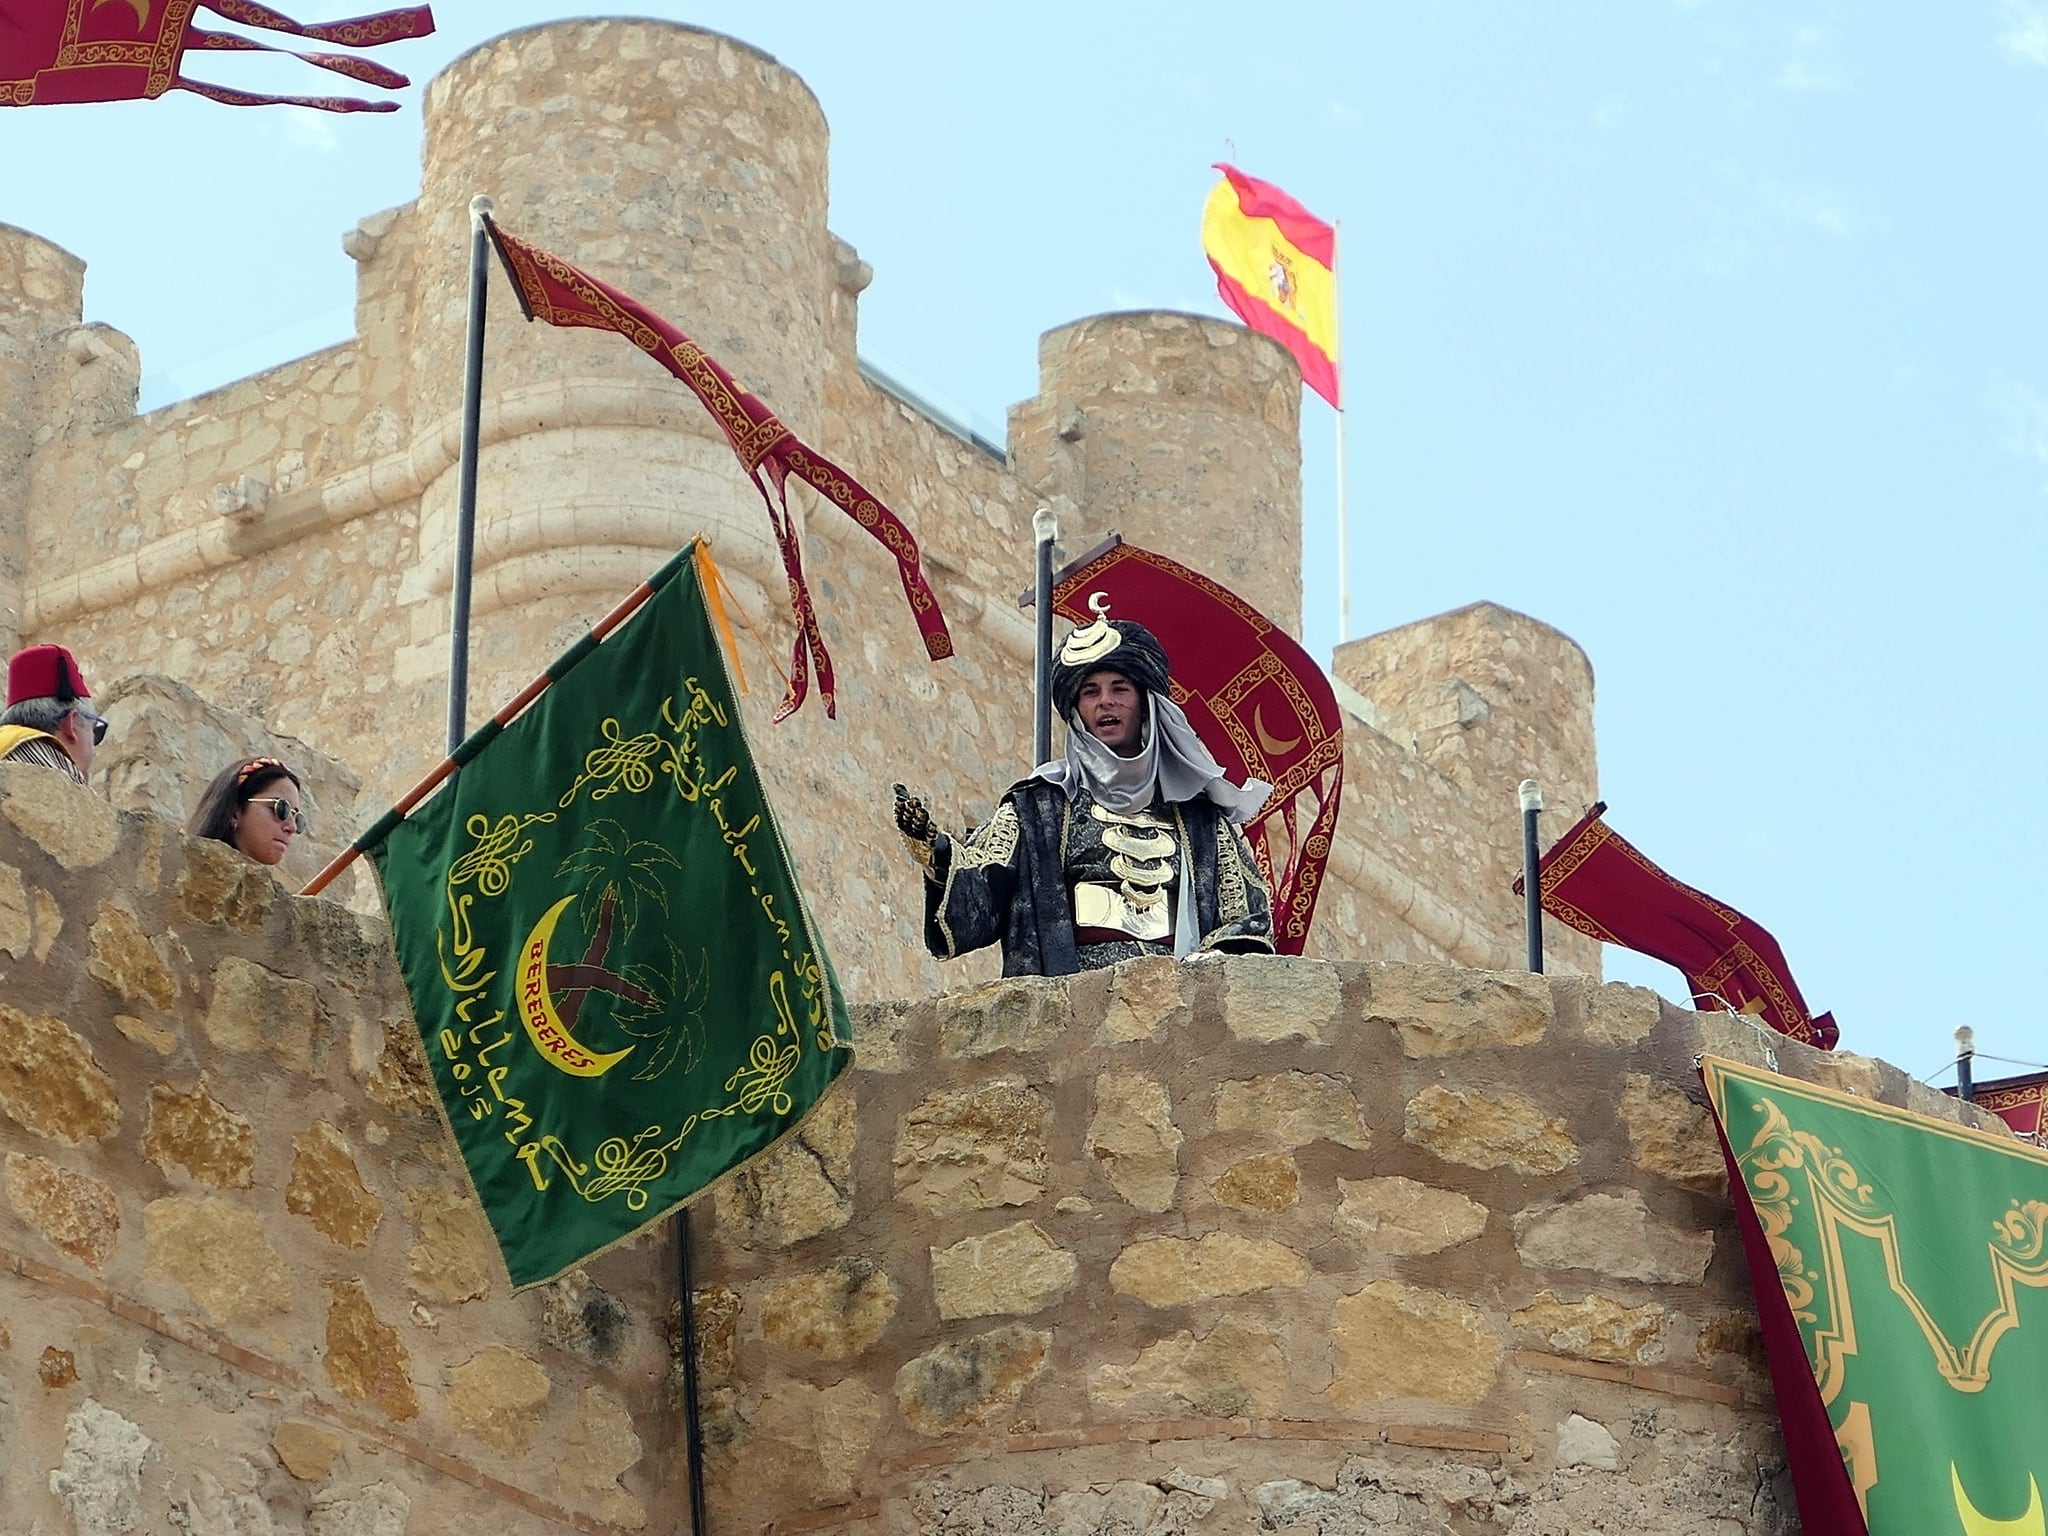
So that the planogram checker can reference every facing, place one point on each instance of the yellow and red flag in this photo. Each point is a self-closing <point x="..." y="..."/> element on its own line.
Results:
<point x="1276" y="268"/>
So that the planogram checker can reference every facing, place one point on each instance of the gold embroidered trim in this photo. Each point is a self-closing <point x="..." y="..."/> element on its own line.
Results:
<point x="1233" y="903"/>
<point x="995" y="843"/>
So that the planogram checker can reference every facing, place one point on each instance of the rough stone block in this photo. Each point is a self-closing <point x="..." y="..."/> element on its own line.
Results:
<point x="801" y="1188"/>
<point x="1672" y="1136"/>
<point x="1172" y="1271"/>
<point x="326" y="1188"/>
<point x="1270" y="998"/>
<point x="365" y="1357"/>
<point x="881" y="1035"/>
<point x="835" y="1313"/>
<point x="220" y="886"/>
<point x="1396" y="1341"/>
<point x="815" y="1438"/>
<point x="582" y="1318"/>
<point x="1613" y="1234"/>
<point x="192" y="1130"/>
<point x="255" y="1009"/>
<point x="378" y="1510"/>
<point x="1619" y="1015"/>
<point x="1441" y="1010"/>
<point x="217" y="1251"/>
<point x="1479" y="1130"/>
<point x="1268" y="1182"/>
<point x="1146" y="996"/>
<point x="1133" y="1139"/>
<point x="1235" y="1371"/>
<point x="75" y="1212"/>
<point x="17" y="927"/>
<point x="497" y="1395"/>
<point x="99" y="1480"/>
<point x="69" y="822"/>
<point x="968" y="1382"/>
<point x="1583" y="1443"/>
<point x="307" y="1451"/>
<point x="126" y="962"/>
<point x="1015" y="1269"/>
<point x="1292" y="1108"/>
<point x="49" y="1082"/>
<point x="975" y="1149"/>
<point x="602" y="1446"/>
<point x="1394" y="1215"/>
<point x="451" y="1257"/>
<point x="1594" y="1328"/>
<point x="1026" y="1013"/>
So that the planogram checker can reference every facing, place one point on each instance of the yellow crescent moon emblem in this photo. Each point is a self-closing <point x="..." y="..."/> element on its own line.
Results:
<point x="544" y="1027"/>
<point x="1272" y="748"/>
<point x="2032" y="1523"/>
<point x="140" y="7"/>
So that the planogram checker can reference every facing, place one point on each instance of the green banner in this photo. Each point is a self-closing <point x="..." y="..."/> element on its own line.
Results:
<point x="620" y="990"/>
<point x="1913" y="1256"/>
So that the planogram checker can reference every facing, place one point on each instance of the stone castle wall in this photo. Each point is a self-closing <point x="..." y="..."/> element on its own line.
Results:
<point x="1238" y="1244"/>
<point x="283" y="545"/>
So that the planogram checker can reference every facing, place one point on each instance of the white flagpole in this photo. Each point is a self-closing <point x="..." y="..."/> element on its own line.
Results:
<point x="1343" y="529"/>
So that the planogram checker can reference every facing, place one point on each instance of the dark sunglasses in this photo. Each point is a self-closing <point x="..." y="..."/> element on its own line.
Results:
<point x="287" y="814"/>
<point x="99" y="724"/>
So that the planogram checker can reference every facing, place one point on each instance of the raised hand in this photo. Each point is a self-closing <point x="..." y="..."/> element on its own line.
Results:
<point x="912" y="819"/>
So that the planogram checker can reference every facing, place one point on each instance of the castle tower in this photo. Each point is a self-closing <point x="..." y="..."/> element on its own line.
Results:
<point x="42" y="294"/>
<point x="685" y="168"/>
<point x="1181" y="432"/>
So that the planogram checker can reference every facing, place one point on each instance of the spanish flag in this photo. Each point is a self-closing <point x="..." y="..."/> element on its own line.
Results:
<point x="1275" y="267"/>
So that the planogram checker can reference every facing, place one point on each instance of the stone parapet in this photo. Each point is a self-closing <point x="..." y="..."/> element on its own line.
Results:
<point x="1252" y="1244"/>
<point x="243" y="1283"/>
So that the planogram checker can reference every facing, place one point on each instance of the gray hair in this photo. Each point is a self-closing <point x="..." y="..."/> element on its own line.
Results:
<point x="38" y="714"/>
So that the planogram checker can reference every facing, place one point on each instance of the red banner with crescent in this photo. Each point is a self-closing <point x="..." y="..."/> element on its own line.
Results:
<point x="551" y="289"/>
<point x="1595" y="880"/>
<point x="1253" y="695"/>
<point x="54" y="52"/>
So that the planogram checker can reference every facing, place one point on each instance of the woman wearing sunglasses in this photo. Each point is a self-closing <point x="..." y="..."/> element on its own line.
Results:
<point x="252" y="805"/>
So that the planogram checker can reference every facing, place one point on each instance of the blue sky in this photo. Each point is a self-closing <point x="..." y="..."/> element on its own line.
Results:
<point x="1712" y="334"/>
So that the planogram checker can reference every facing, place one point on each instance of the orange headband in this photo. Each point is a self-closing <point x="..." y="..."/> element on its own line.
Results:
<point x="256" y="765"/>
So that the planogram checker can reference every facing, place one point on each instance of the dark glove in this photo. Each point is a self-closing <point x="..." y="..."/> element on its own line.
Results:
<point x="927" y="843"/>
<point x="912" y="819"/>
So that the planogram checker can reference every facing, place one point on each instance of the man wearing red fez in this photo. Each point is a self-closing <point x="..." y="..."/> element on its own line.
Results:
<point x="47" y="720"/>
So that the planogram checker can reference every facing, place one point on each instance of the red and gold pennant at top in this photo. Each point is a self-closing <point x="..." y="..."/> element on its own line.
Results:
<point x="54" y="52"/>
<point x="551" y="289"/>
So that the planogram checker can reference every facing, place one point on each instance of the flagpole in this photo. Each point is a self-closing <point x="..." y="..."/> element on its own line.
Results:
<point x="1045" y="528"/>
<point x="1531" y="796"/>
<point x="480" y="208"/>
<point x="467" y="749"/>
<point x="1343" y="529"/>
<point x="693" y="1423"/>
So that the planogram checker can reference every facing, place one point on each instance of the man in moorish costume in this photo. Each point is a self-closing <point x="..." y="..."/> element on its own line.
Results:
<point x="1128" y="845"/>
<point x="46" y="721"/>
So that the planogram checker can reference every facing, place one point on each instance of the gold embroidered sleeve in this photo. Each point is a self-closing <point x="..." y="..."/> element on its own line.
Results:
<point x="994" y="843"/>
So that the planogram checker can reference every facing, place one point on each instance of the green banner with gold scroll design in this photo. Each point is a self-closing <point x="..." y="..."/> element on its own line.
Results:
<point x="1913" y="1256"/>
<point x="619" y="988"/>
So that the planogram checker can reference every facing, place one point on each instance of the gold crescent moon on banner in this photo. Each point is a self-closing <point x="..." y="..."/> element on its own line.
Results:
<point x="544" y="1027"/>
<point x="140" y="7"/>
<point x="2032" y="1523"/>
<point x="1271" y="747"/>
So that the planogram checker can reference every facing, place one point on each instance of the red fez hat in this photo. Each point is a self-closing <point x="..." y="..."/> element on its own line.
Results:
<point x="45" y="672"/>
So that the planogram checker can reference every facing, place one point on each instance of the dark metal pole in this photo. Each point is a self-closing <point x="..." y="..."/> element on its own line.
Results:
<point x="693" y="1422"/>
<point x="1532" y="882"/>
<point x="1045" y="528"/>
<point x="1966" y="1053"/>
<point x="465" y="492"/>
